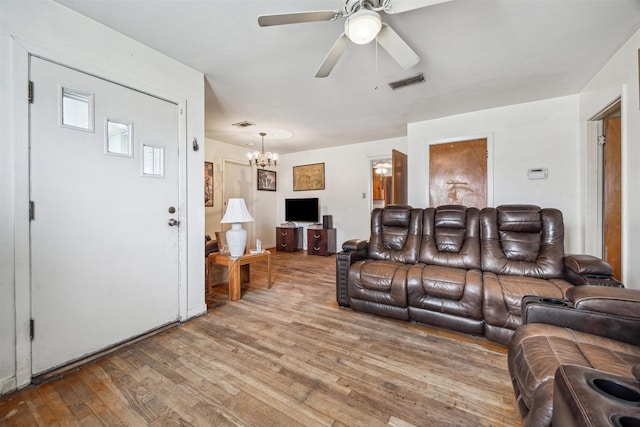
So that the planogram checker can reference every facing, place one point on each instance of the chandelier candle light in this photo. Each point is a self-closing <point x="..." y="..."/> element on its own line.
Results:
<point x="262" y="159"/>
<point x="236" y="214"/>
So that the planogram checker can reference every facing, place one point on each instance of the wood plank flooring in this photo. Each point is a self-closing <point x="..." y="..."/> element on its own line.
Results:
<point x="285" y="356"/>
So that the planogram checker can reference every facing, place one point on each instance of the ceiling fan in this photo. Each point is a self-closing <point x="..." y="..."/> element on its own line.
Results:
<point x="362" y="25"/>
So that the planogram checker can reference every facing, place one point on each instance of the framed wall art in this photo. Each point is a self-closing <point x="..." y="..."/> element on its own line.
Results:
<point x="208" y="184"/>
<point x="266" y="180"/>
<point x="308" y="177"/>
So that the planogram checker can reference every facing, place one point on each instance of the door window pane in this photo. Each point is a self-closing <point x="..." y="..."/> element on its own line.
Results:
<point x="119" y="140"/>
<point x="76" y="109"/>
<point x="152" y="161"/>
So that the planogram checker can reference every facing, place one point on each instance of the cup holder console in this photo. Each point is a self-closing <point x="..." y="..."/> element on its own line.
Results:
<point x="585" y="396"/>
<point x="554" y="301"/>
<point x="615" y="390"/>
<point x="625" y="421"/>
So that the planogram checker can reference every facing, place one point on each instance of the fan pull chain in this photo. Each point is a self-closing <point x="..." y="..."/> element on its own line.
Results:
<point x="377" y="81"/>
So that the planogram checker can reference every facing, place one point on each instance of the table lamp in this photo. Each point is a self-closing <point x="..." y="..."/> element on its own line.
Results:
<point x="236" y="214"/>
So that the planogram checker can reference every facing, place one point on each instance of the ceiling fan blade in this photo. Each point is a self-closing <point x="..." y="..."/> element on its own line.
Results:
<point x="298" y="17"/>
<point x="332" y="57"/>
<point x="399" y="6"/>
<point x="397" y="48"/>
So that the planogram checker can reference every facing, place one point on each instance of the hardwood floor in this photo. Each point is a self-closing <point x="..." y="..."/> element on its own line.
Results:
<point x="285" y="356"/>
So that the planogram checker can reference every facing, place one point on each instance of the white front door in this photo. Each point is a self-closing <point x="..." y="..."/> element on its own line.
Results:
<point x="104" y="179"/>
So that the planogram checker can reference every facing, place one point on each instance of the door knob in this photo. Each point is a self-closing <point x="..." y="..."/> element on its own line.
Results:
<point x="174" y="222"/>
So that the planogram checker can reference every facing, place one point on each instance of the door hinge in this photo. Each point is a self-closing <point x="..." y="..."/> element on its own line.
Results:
<point x="30" y="92"/>
<point x="601" y="140"/>
<point x="32" y="328"/>
<point x="32" y="210"/>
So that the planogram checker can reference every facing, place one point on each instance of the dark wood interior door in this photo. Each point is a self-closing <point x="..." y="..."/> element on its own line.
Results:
<point x="458" y="173"/>
<point x="399" y="192"/>
<point x="612" y="196"/>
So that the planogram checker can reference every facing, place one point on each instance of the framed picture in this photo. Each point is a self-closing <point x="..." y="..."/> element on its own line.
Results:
<point x="308" y="177"/>
<point x="208" y="184"/>
<point x="266" y="180"/>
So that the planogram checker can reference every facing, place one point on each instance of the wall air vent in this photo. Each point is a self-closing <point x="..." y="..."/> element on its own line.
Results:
<point x="243" y="124"/>
<point x="407" y="82"/>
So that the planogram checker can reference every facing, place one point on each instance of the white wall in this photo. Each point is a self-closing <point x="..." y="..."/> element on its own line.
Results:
<point x="264" y="202"/>
<point x="619" y="79"/>
<point x="347" y="179"/>
<point x="48" y="29"/>
<point x="523" y="136"/>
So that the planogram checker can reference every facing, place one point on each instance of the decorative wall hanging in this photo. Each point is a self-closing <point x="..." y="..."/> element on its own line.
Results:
<point x="208" y="184"/>
<point x="266" y="180"/>
<point x="308" y="177"/>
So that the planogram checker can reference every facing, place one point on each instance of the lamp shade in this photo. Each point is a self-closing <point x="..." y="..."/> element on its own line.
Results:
<point x="236" y="212"/>
<point x="363" y="26"/>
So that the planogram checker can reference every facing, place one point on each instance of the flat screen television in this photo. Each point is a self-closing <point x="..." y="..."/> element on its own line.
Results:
<point x="301" y="210"/>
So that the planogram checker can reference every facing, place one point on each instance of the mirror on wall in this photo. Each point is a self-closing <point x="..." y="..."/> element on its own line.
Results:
<point x="381" y="183"/>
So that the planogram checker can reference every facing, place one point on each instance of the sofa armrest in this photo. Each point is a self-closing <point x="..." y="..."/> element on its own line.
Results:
<point x="577" y="313"/>
<point x="589" y="270"/>
<point x="353" y="250"/>
<point x="620" y="302"/>
<point x="355" y="245"/>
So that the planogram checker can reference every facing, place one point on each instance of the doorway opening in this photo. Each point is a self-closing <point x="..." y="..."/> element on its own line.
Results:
<point x="605" y="154"/>
<point x="381" y="180"/>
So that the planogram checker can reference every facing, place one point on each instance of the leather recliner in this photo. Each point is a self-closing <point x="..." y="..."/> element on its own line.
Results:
<point x="378" y="284"/>
<point x="445" y="287"/>
<point x="595" y="327"/>
<point x="522" y="254"/>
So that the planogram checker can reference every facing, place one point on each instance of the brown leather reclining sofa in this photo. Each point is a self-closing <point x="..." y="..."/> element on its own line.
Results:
<point x="461" y="268"/>
<point x="487" y="272"/>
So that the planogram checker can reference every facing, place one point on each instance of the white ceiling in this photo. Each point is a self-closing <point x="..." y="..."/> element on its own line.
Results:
<point x="475" y="54"/>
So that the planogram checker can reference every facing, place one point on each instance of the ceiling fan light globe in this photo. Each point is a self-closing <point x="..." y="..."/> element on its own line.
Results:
<point x="363" y="26"/>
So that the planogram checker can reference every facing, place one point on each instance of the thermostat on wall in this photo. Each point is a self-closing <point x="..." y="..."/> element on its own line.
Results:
<point x="537" y="173"/>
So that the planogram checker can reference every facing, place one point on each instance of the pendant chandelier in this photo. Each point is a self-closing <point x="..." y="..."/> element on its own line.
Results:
<point x="260" y="159"/>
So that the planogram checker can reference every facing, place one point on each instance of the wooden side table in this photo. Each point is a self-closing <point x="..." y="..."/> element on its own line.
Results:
<point x="239" y="269"/>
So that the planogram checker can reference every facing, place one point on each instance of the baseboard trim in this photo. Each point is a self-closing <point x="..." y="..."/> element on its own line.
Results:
<point x="78" y="363"/>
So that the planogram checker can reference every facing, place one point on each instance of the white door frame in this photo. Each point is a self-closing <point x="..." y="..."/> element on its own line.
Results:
<point x="21" y="50"/>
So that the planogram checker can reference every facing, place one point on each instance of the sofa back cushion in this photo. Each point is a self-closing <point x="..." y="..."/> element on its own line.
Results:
<point x="451" y="237"/>
<point x="395" y="234"/>
<point x="522" y="240"/>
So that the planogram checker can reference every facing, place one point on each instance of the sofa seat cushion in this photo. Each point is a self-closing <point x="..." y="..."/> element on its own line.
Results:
<point x="446" y="296"/>
<point x="374" y="283"/>
<point x="537" y="350"/>
<point x="503" y="298"/>
<point x="435" y="282"/>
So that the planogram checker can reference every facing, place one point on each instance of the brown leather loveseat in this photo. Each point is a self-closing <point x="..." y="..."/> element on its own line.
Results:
<point x="461" y="268"/>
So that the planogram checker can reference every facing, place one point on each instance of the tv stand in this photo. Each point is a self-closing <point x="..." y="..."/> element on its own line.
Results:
<point x="289" y="239"/>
